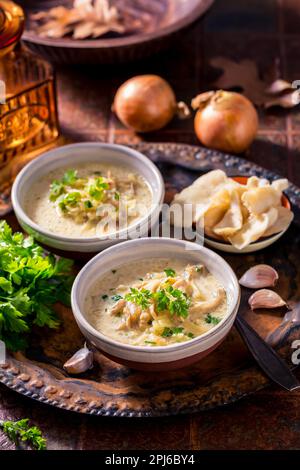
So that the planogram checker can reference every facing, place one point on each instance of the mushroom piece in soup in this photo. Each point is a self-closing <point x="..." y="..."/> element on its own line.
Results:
<point x="156" y="302"/>
<point x="90" y="200"/>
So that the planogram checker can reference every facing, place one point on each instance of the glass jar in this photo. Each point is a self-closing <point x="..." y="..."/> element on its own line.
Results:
<point x="28" y="116"/>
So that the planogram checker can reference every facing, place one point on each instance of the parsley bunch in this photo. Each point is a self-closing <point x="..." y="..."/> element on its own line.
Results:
<point x="21" y="431"/>
<point x="30" y="283"/>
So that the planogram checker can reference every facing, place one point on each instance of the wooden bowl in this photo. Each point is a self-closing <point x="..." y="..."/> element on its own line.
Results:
<point x="178" y="16"/>
<point x="260" y="244"/>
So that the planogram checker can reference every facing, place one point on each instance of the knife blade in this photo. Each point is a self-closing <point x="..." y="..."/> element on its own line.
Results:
<point x="266" y="357"/>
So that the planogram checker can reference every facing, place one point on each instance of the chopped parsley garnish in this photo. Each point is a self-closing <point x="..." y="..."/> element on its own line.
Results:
<point x="150" y="342"/>
<point x="88" y="204"/>
<point x="173" y="300"/>
<point x="190" y="335"/>
<point x="71" y="200"/>
<point x="104" y="296"/>
<point x="171" y="331"/>
<point x="117" y="196"/>
<point x="116" y="297"/>
<point x="198" y="269"/>
<point x="69" y="177"/>
<point x="57" y="188"/>
<point x="212" y="320"/>
<point x="96" y="193"/>
<point x="170" y="272"/>
<point x="71" y="191"/>
<point x="139" y="297"/>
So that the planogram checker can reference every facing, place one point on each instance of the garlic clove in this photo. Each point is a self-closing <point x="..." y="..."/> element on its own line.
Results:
<point x="261" y="275"/>
<point x="265" y="298"/>
<point x="80" y="362"/>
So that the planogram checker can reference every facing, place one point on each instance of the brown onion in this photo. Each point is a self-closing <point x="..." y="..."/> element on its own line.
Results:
<point x="145" y="103"/>
<point x="225" y="120"/>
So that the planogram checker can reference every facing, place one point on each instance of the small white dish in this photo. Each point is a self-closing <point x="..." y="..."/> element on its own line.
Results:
<point x="70" y="155"/>
<point x="255" y="246"/>
<point x="169" y="357"/>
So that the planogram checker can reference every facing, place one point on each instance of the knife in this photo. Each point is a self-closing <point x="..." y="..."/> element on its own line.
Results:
<point x="266" y="357"/>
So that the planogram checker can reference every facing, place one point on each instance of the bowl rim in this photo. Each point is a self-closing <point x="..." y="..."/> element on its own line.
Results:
<point x="81" y="320"/>
<point x="44" y="157"/>
<point x="124" y="41"/>
<point x="269" y="238"/>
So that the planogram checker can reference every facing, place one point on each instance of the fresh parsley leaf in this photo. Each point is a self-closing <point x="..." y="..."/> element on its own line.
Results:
<point x="198" y="269"/>
<point x="97" y="189"/>
<point x="173" y="300"/>
<point x="171" y="331"/>
<point x="69" y="177"/>
<point x="72" y="199"/>
<point x="6" y="285"/>
<point x="117" y="196"/>
<point x="116" y="297"/>
<point x="190" y="335"/>
<point x="88" y="204"/>
<point x="211" y="319"/>
<point x="20" y="430"/>
<point x="57" y="188"/>
<point x="96" y="193"/>
<point x="170" y="272"/>
<point x="139" y="297"/>
<point x="150" y="342"/>
<point x="100" y="183"/>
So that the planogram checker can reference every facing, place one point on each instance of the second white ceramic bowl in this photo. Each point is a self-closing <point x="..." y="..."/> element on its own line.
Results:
<point x="173" y="356"/>
<point x="72" y="155"/>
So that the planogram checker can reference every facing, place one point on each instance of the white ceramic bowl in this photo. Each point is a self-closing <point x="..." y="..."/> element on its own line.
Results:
<point x="71" y="155"/>
<point x="162" y="357"/>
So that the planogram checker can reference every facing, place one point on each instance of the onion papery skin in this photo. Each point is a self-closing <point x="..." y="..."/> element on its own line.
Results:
<point x="227" y="121"/>
<point x="145" y="103"/>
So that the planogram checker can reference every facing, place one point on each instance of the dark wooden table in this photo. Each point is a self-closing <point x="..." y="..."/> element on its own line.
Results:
<point x="264" y="31"/>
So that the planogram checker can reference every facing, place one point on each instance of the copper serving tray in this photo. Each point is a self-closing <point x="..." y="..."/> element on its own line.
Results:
<point x="223" y="377"/>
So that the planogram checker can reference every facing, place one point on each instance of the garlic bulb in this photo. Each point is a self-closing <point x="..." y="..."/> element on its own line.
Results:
<point x="265" y="298"/>
<point x="261" y="275"/>
<point x="80" y="362"/>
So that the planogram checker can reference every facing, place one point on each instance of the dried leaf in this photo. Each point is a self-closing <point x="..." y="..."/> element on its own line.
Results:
<point x="242" y="74"/>
<point x="245" y="75"/>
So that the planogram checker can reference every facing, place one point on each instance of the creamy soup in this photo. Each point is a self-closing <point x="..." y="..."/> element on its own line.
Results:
<point x="156" y="302"/>
<point x="90" y="200"/>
